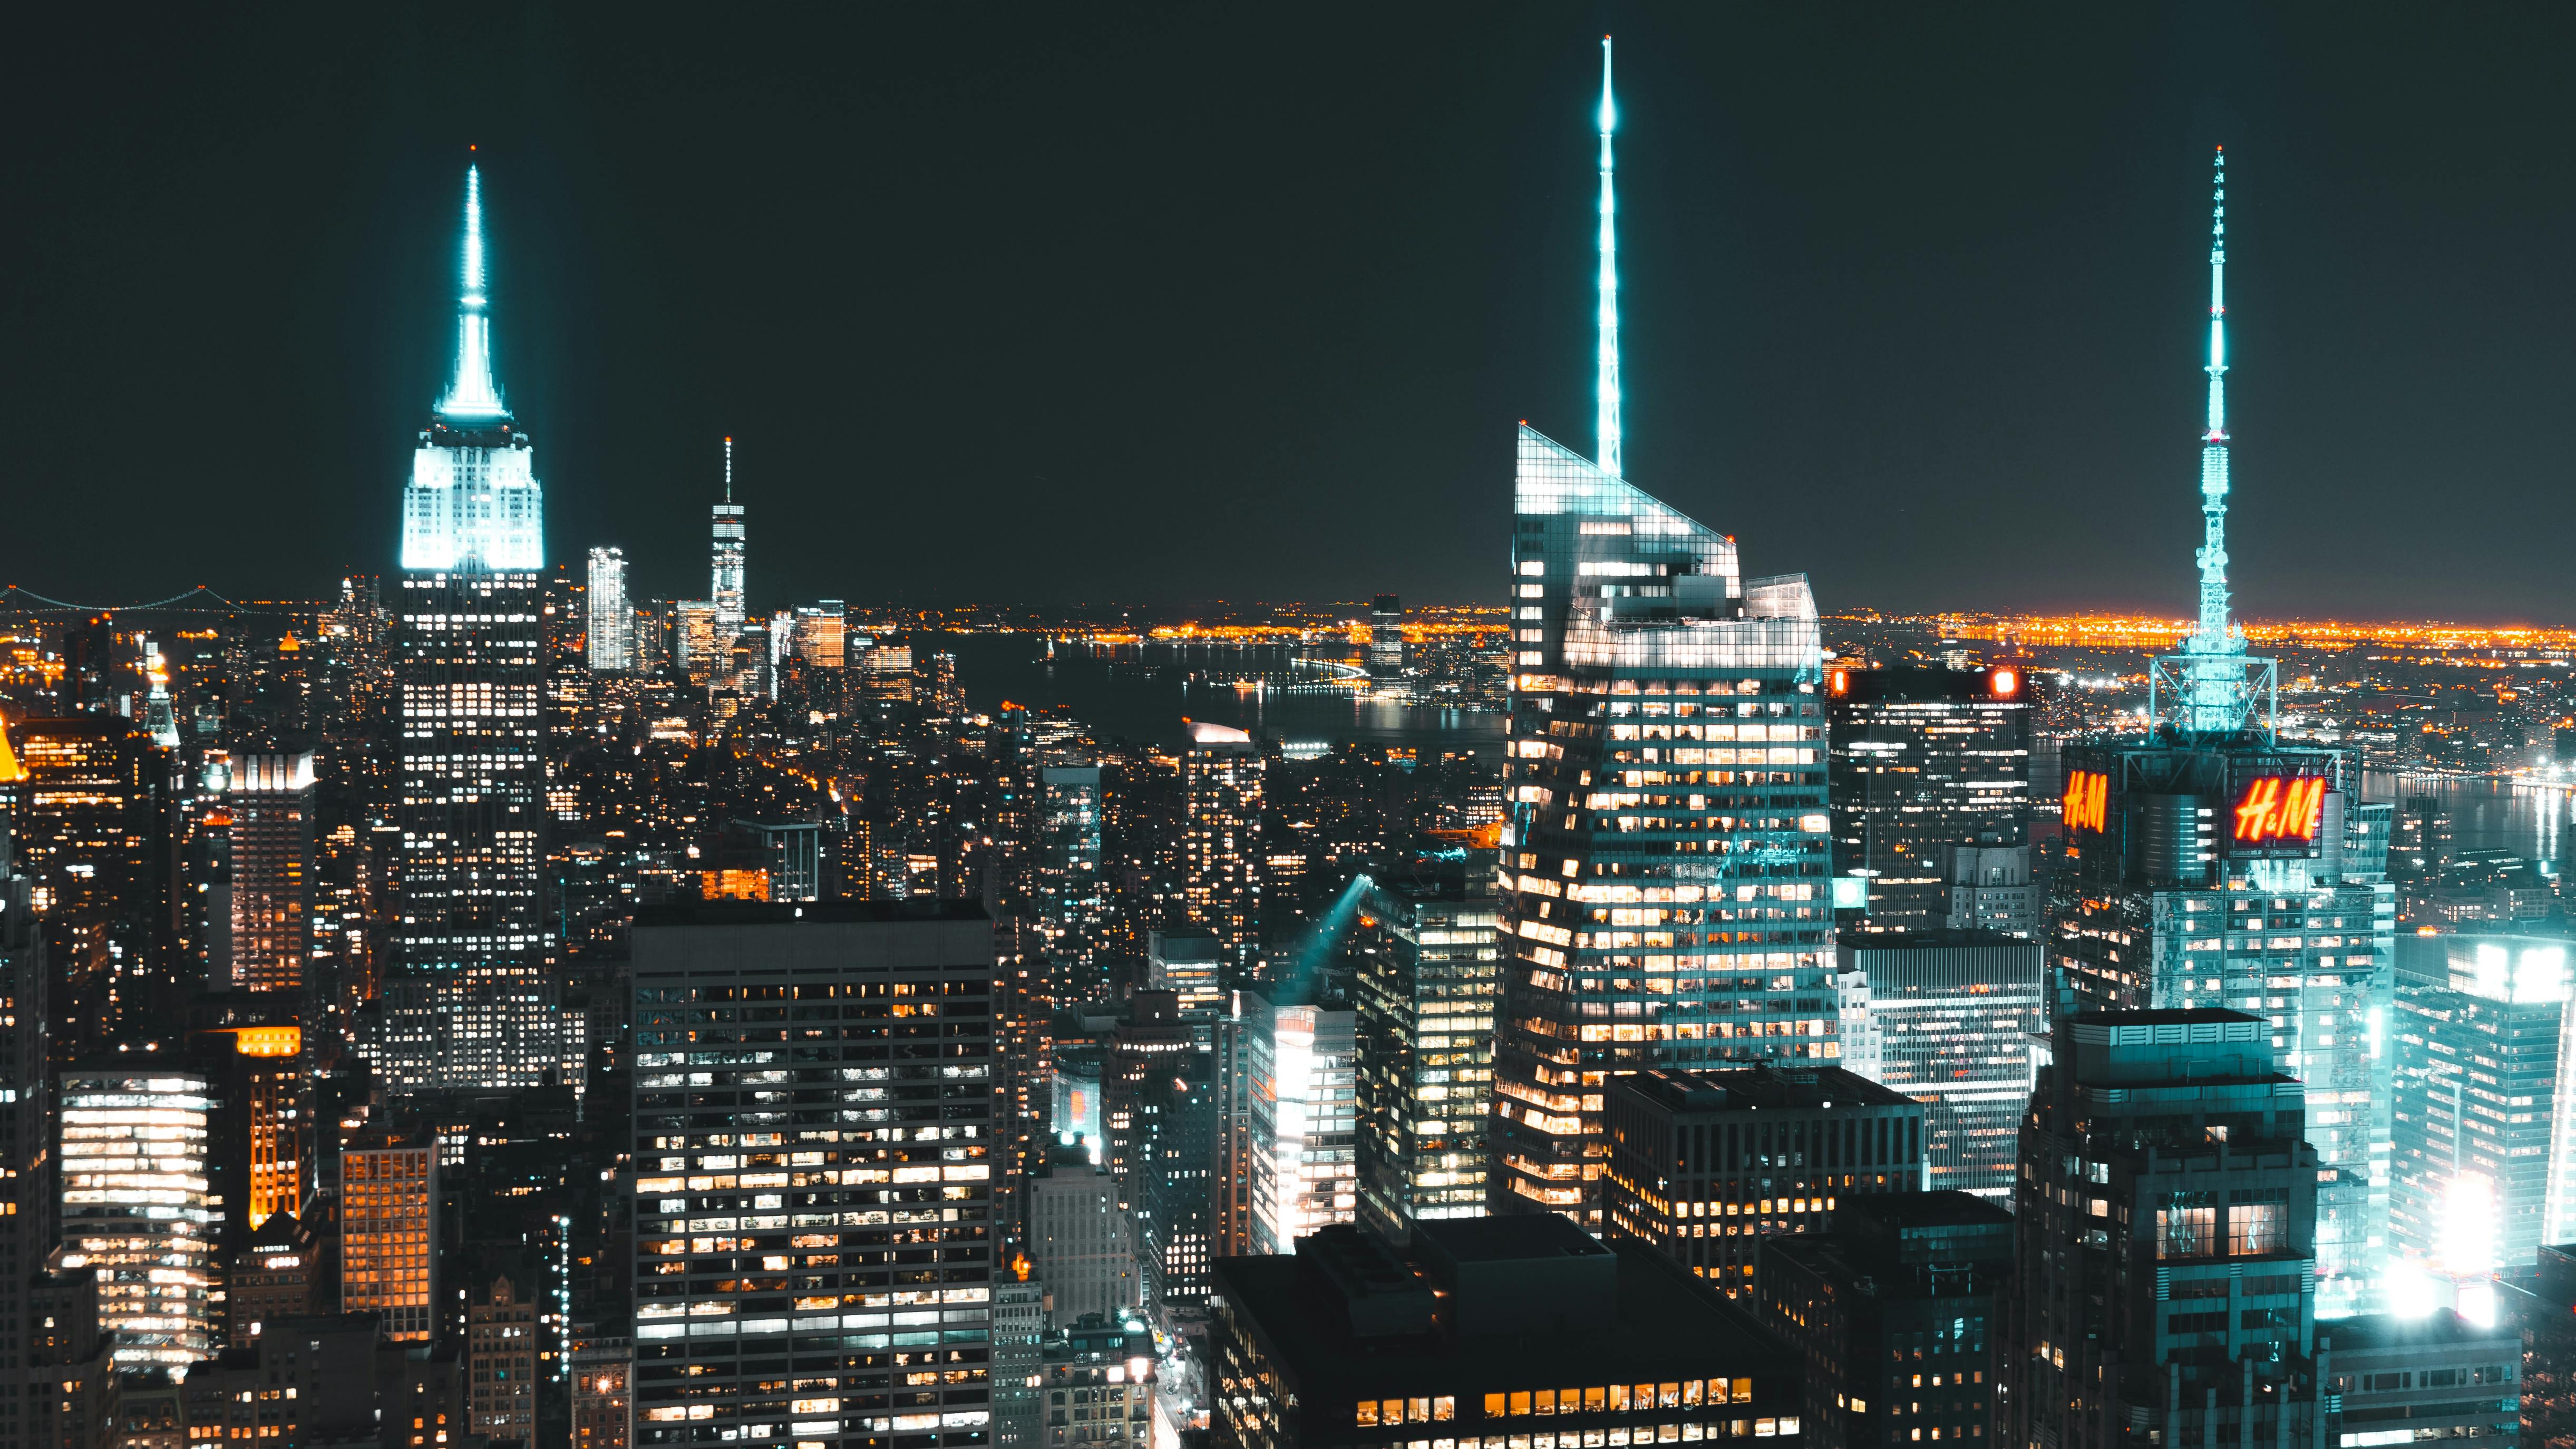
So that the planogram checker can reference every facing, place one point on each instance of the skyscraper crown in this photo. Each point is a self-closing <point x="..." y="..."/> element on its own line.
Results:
<point x="472" y="397"/>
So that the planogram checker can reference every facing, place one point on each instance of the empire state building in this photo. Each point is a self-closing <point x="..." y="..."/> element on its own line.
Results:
<point x="468" y="1003"/>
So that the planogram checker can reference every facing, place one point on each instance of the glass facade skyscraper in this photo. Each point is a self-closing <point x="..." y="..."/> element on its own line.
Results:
<point x="607" y="617"/>
<point x="1665" y="898"/>
<point x="473" y="1009"/>
<point x="1221" y="773"/>
<point x="135" y="1206"/>
<point x="1429" y="978"/>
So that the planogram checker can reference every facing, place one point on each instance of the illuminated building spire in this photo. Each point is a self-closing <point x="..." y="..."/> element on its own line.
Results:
<point x="728" y="470"/>
<point x="2214" y="683"/>
<point x="1606" y="388"/>
<point x="472" y="397"/>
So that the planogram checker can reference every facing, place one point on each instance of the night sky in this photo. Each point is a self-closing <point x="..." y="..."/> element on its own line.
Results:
<point x="1081" y="303"/>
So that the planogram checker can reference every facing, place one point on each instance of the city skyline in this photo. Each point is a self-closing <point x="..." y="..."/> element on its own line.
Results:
<point x="645" y="332"/>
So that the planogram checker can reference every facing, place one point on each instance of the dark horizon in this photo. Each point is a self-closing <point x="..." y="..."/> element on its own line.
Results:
<point x="1173" y="304"/>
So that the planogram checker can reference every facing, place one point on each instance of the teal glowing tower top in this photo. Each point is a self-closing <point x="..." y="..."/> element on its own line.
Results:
<point x="473" y="397"/>
<point x="1606" y="386"/>
<point x="2213" y="685"/>
<point x="473" y="504"/>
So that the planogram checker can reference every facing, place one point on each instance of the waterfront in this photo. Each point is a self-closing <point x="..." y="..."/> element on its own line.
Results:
<point x="2487" y="813"/>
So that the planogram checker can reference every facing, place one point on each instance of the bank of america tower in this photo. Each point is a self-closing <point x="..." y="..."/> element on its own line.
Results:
<point x="467" y="1004"/>
<point x="1665" y="859"/>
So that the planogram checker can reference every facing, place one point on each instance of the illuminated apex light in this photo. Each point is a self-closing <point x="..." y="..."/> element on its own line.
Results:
<point x="473" y="394"/>
<point x="1606" y="386"/>
<point x="473" y="504"/>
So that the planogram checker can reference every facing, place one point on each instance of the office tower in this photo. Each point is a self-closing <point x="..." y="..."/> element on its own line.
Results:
<point x="603" y="1376"/>
<point x="2436" y="1376"/>
<point x="276" y="1275"/>
<point x="791" y="851"/>
<point x="388" y="1231"/>
<point x="1501" y="1332"/>
<point x="1990" y="888"/>
<point x="1176" y="1158"/>
<point x="1072" y="896"/>
<point x="1923" y="759"/>
<point x="1302" y="1171"/>
<point x="1099" y="1376"/>
<point x="820" y="633"/>
<point x="1148" y="1042"/>
<point x="1239" y="1038"/>
<point x="1221" y="840"/>
<point x="501" y="1363"/>
<point x="856" y="1173"/>
<point x="2211" y="865"/>
<point x="1386" y="637"/>
<point x="469" y="660"/>
<point x="1957" y="1015"/>
<point x="1189" y="962"/>
<point x="1080" y="1245"/>
<point x="2484" y="1164"/>
<point x="2545" y="1306"/>
<point x="700" y="651"/>
<point x="725" y="571"/>
<point x="134" y="1203"/>
<point x="1429" y="975"/>
<point x="1019" y="1362"/>
<point x="610" y="617"/>
<point x="1666" y="848"/>
<point x="271" y="926"/>
<point x="26" y="1125"/>
<point x="1705" y="1165"/>
<point x="1892" y="1312"/>
<point x="95" y="838"/>
<point x="260" y="1134"/>
<point x="308" y="1380"/>
<point x="2164" y="1223"/>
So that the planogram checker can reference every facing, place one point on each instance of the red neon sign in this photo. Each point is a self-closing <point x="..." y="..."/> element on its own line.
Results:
<point x="2274" y="808"/>
<point x="2088" y="798"/>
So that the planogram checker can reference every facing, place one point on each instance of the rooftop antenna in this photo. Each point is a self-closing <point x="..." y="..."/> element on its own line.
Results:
<point x="1606" y="385"/>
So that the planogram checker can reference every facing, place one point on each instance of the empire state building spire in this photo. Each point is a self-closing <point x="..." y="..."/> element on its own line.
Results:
<point x="1606" y="385"/>
<point x="473" y="397"/>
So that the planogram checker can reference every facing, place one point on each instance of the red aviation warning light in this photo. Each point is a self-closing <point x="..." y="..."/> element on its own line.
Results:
<point x="2088" y="799"/>
<point x="2274" y="808"/>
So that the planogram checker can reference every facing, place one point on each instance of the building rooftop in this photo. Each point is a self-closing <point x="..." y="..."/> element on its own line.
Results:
<point x="765" y="913"/>
<point x="2390" y="1331"/>
<point x="1939" y="938"/>
<point x="1662" y="1324"/>
<point x="1756" y="1087"/>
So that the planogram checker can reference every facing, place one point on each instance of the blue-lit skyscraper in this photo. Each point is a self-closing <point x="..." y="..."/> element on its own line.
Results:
<point x="2210" y="865"/>
<point x="466" y="1004"/>
<point x="1664" y="896"/>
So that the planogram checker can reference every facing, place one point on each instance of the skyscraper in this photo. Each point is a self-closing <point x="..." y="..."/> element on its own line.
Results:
<point x="134" y="1204"/>
<point x="1221" y="773"/>
<point x="1429" y="977"/>
<point x="884" y="1229"/>
<point x="1303" y="1172"/>
<point x="725" y="579"/>
<point x="611" y="620"/>
<point x="2211" y="865"/>
<point x="2165" y="1217"/>
<point x="1924" y="759"/>
<point x="26" y="1105"/>
<point x="469" y="659"/>
<point x="1072" y="899"/>
<point x="1666" y="850"/>
<point x="1956" y="1014"/>
<point x="2484" y="1168"/>
<point x="388" y="1223"/>
<point x="271" y="801"/>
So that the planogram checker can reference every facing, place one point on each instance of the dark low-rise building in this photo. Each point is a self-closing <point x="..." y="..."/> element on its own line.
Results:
<point x="1495" y="1333"/>
<point x="1704" y="1165"/>
<point x="1892" y="1313"/>
<point x="2391" y="1380"/>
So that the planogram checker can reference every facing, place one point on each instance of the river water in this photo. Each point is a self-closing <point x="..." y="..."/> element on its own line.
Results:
<point x="1151" y="698"/>
<point x="2486" y="814"/>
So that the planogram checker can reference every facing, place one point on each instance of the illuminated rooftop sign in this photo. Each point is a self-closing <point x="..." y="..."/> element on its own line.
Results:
<point x="2088" y="800"/>
<point x="2274" y="808"/>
